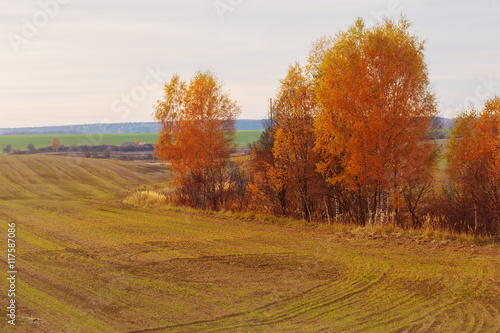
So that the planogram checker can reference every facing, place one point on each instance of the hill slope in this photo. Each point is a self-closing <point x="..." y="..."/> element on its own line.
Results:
<point x="53" y="178"/>
<point x="88" y="263"/>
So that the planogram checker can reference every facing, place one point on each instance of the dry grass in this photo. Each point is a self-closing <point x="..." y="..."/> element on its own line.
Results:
<point x="146" y="199"/>
<point x="429" y="233"/>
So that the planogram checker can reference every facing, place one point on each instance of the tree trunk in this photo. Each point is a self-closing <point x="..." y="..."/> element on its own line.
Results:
<point x="336" y="209"/>
<point x="369" y="208"/>
<point x="327" y="213"/>
<point x="387" y="208"/>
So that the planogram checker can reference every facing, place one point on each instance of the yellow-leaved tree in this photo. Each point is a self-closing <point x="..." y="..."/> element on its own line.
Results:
<point x="56" y="144"/>
<point x="473" y="170"/>
<point x="295" y="160"/>
<point x="376" y="111"/>
<point x="197" y="133"/>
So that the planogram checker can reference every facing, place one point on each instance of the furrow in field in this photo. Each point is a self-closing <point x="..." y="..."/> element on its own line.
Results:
<point x="293" y="310"/>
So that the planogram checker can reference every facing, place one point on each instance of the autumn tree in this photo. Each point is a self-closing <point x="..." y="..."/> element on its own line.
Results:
<point x="472" y="156"/>
<point x="31" y="148"/>
<point x="137" y="143"/>
<point x="295" y="161"/>
<point x="265" y="195"/>
<point x="376" y="108"/>
<point x="197" y="136"/>
<point x="107" y="152"/>
<point x="56" y="144"/>
<point x="86" y="151"/>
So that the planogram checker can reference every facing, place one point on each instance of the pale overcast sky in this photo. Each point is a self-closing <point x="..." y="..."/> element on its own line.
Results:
<point x="86" y="61"/>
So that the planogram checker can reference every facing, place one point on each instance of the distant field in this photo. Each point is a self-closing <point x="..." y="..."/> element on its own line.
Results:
<point x="87" y="262"/>
<point x="243" y="138"/>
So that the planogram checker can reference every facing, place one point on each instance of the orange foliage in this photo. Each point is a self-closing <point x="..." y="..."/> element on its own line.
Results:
<point x="265" y="195"/>
<point x="56" y="144"/>
<point x="475" y="141"/>
<point x="295" y="161"/>
<point x="473" y="166"/>
<point x="376" y="109"/>
<point x="197" y="133"/>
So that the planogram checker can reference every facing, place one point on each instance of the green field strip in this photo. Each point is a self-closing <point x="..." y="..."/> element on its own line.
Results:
<point x="242" y="139"/>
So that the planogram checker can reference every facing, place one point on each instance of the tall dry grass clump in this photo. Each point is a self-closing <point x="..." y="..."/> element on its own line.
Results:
<point x="146" y="199"/>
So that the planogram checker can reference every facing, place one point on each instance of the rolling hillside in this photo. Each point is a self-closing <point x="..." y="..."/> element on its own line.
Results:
<point x="87" y="262"/>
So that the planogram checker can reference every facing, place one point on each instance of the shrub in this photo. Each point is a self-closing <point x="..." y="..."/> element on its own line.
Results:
<point x="31" y="148"/>
<point x="107" y="152"/>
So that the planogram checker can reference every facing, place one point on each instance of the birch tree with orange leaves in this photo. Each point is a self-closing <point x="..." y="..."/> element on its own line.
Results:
<point x="56" y="144"/>
<point x="267" y="196"/>
<point x="294" y="158"/>
<point x="376" y="109"/>
<point x="473" y="170"/>
<point x="197" y="133"/>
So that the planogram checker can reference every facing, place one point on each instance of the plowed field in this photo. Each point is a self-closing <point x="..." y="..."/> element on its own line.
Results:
<point x="87" y="262"/>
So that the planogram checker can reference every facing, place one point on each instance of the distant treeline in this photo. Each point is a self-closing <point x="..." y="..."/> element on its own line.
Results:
<point x="119" y="128"/>
<point x="100" y="151"/>
<point x="125" y="147"/>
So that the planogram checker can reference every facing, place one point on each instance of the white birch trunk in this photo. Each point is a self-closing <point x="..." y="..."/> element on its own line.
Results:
<point x="327" y="213"/>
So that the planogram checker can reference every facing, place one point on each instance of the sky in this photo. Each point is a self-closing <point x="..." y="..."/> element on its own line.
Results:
<point x="65" y="62"/>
